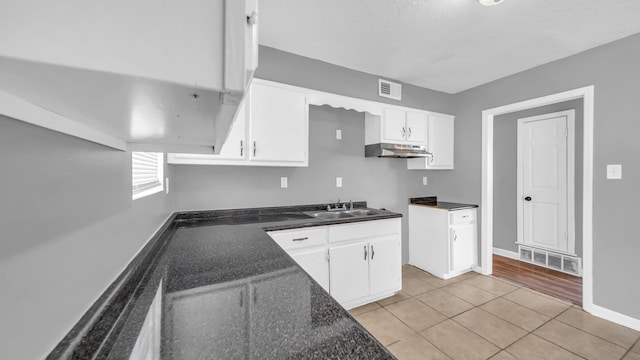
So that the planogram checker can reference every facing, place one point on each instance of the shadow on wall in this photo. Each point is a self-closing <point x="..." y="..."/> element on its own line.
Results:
<point x="505" y="177"/>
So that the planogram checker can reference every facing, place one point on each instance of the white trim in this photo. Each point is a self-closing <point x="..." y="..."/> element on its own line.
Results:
<point x="586" y="93"/>
<point x="19" y="109"/>
<point x="616" y="317"/>
<point x="507" y="253"/>
<point x="570" y="196"/>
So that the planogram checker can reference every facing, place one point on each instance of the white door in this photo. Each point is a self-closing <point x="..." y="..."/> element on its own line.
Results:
<point x="440" y="141"/>
<point x="349" y="272"/>
<point x="385" y="264"/>
<point x="543" y="181"/>
<point x="463" y="244"/>
<point x="394" y="126"/>
<point x="278" y="124"/>
<point x="235" y="146"/>
<point x="315" y="263"/>
<point x="417" y="127"/>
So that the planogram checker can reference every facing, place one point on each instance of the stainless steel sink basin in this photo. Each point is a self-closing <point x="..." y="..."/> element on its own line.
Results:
<point x="343" y="214"/>
<point x="363" y="212"/>
<point x="331" y="215"/>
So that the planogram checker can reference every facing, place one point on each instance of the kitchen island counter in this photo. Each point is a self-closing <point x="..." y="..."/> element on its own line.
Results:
<point x="213" y="284"/>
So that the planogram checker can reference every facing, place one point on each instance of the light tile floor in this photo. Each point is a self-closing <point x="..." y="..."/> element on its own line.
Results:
<point x="476" y="317"/>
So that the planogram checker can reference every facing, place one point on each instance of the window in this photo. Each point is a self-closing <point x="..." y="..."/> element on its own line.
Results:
<point x="147" y="173"/>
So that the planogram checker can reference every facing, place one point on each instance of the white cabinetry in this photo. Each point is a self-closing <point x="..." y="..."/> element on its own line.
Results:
<point x="396" y="126"/>
<point x="442" y="242"/>
<point x="271" y="129"/>
<point x="365" y="261"/>
<point x="357" y="263"/>
<point x="308" y="247"/>
<point x="440" y="133"/>
<point x="147" y="58"/>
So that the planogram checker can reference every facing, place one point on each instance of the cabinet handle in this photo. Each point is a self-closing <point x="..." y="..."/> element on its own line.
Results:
<point x="409" y="133"/>
<point x="432" y="157"/>
<point x="241" y="147"/>
<point x="365" y="252"/>
<point x="301" y="239"/>
<point x="254" y="149"/>
<point x="373" y="253"/>
<point x="455" y="236"/>
<point x="404" y="132"/>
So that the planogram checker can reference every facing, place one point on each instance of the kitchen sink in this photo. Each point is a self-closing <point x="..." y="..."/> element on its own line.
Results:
<point x="363" y="212"/>
<point x="327" y="215"/>
<point x="343" y="214"/>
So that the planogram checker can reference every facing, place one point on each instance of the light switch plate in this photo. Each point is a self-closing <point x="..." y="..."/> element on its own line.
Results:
<point x="614" y="171"/>
<point x="338" y="134"/>
<point x="424" y="180"/>
<point x="283" y="182"/>
<point x="338" y="181"/>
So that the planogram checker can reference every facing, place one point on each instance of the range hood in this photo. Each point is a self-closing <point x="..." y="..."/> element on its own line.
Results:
<point x="389" y="150"/>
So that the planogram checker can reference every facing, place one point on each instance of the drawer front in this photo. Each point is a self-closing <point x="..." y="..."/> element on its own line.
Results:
<point x="364" y="230"/>
<point x="462" y="216"/>
<point x="299" y="238"/>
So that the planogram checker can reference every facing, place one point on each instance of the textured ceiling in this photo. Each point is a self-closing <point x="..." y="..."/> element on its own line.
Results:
<point x="446" y="45"/>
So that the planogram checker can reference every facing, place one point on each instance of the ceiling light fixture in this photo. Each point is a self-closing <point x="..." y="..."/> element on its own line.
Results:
<point x="490" y="2"/>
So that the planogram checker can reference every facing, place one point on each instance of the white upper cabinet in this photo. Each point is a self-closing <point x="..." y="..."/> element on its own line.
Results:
<point x="166" y="73"/>
<point x="278" y="125"/>
<point x="440" y="133"/>
<point x="271" y="129"/>
<point x="396" y="126"/>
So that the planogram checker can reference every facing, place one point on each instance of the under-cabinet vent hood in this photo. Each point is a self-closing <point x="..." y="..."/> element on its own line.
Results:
<point x="396" y="150"/>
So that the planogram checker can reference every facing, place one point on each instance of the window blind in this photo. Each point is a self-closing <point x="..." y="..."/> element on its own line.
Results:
<point x="146" y="173"/>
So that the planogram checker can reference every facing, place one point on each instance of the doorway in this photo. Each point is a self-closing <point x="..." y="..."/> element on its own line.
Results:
<point x="586" y="194"/>
<point x="545" y="181"/>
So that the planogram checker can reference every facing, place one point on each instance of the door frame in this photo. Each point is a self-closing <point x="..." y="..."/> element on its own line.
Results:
<point x="570" y="198"/>
<point x="486" y="236"/>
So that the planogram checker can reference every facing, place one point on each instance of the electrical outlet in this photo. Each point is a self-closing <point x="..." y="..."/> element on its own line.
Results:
<point x="338" y="134"/>
<point x="283" y="182"/>
<point x="614" y="171"/>
<point x="338" y="181"/>
<point x="424" y="180"/>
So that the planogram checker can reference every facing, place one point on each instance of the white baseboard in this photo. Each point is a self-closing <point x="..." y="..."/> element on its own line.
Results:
<point x="506" y="253"/>
<point x="615" y="317"/>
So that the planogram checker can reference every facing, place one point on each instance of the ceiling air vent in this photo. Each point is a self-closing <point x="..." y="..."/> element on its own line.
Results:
<point x="389" y="89"/>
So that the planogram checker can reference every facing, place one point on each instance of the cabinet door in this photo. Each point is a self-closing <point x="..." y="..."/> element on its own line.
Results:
<point x="393" y="126"/>
<point x="416" y="127"/>
<point x="278" y="124"/>
<point x="463" y="245"/>
<point x="385" y="264"/>
<point x="440" y="142"/>
<point x="197" y="326"/>
<point x="349" y="272"/>
<point x="315" y="263"/>
<point x="235" y="146"/>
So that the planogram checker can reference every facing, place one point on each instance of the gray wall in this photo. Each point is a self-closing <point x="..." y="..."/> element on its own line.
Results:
<point x="69" y="228"/>
<point x="613" y="69"/>
<point x="381" y="182"/>
<point x="505" y="147"/>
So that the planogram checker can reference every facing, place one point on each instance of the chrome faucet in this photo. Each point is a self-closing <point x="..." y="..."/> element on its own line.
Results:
<point x="337" y="206"/>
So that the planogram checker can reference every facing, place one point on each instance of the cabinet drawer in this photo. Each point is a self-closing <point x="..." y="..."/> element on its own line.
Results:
<point x="462" y="216"/>
<point x="364" y="230"/>
<point x="299" y="238"/>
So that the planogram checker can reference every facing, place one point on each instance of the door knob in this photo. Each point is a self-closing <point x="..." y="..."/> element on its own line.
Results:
<point x="528" y="198"/>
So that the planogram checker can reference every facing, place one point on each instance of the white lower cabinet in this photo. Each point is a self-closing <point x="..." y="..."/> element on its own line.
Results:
<point x="442" y="242"/>
<point x="356" y="263"/>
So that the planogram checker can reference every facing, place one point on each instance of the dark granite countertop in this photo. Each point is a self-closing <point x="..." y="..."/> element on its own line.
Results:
<point x="432" y="201"/>
<point x="214" y="285"/>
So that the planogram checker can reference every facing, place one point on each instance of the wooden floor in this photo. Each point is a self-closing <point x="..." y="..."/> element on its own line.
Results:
<point x="550" y="282"/>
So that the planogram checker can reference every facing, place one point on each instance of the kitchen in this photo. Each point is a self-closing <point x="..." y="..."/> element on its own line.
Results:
<point x="72" y="227"/>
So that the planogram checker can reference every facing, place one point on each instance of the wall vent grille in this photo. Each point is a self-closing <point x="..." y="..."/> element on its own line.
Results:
<point x="560" y="262"/>
<point x="389" y="89"/>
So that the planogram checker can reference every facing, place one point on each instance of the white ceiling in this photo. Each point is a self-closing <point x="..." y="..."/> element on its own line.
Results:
<point x="446" y="45"/>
